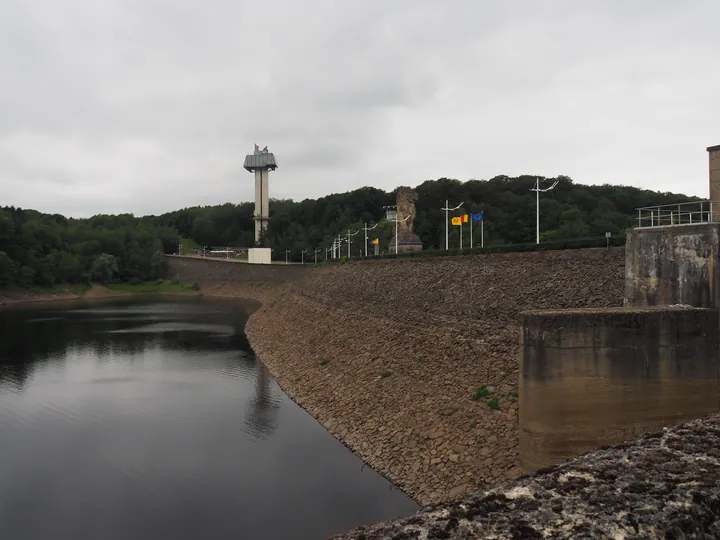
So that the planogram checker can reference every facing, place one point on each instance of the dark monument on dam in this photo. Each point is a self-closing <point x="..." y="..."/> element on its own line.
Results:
<point x="595" y="377"/>
<point x="404" y="239"/>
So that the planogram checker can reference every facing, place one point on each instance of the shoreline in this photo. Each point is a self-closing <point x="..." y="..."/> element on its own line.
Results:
<point x="429" y="438"/>
<point x="96" y="292"/>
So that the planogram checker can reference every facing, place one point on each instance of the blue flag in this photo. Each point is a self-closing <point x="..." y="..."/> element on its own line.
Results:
<point x="477" y="217"/>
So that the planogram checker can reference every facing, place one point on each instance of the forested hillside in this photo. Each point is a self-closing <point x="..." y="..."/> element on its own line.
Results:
<point x="569" y="211"/>
<point x="42" y="249"/>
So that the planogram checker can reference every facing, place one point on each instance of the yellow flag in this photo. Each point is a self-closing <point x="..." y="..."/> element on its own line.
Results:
<point x="457" y="221"/>
<point x="376" y="241"/>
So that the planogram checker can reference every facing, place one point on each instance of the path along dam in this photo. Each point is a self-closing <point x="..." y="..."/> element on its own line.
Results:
<point x="413" y="364"/>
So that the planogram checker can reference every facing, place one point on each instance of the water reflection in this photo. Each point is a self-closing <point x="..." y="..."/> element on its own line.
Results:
<point x="261" y="414"/>
<point x="130" y="419"/>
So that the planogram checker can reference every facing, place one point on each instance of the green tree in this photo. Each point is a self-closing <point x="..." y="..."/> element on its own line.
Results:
<point x="8" y="272"/>
<point x="68" y="268"/>
<point x="104" y="268"/>
<point x="158" y="265"/>
<point x="26" y="276"/>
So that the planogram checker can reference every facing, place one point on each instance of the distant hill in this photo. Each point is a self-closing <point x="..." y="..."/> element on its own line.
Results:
<point x="569" y="211"/>
<point x="41" y="249"/>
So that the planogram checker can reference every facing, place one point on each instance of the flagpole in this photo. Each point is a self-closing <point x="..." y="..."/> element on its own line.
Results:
<point x="471" y="222"/>
<point x="447" y="222"/>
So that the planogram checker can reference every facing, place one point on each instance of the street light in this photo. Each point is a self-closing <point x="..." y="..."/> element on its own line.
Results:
<point x="366" y="229"/>
<point x="447" y="210"/>
<point x="396" y="219"/>
<point x="349" y="236"/>
<point x="316" y="252"/>
<point x="537" y="191"/>
<point x="302" y="256"/>
<point x="286" y="255"/>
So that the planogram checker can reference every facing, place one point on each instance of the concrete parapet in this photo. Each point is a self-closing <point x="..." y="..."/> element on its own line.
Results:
<point x="217" y="271"/>
<point x="673" y="265"/>
<point x="595" y="377"/>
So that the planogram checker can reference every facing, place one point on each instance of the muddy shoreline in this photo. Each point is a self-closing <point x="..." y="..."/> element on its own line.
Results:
<point x="96" y="292"/>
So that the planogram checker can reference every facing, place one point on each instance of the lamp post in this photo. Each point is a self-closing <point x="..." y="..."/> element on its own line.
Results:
<point x="447" y="210"/>
<point x="302" y="256"/>
<point x="390" y="210"/>
<point x="537" y="191"/>
<point x="336" y="247"/>
<point x="316" y="252"/>
<point x="286" y="255"/>
<point x="349" y="241"/>
<point x="366" y="229"/>
<point x="396" y="231"/>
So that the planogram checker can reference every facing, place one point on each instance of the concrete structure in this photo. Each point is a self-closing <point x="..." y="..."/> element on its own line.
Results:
<point x="673" y="265"/>
<point x="595" y="377"/>
<point x="592" y="378"/>
<point x="714" y="158"/>
<point x="214" y="272"/>
<point x="259" y="256"/>
<point x="261" y="162"/>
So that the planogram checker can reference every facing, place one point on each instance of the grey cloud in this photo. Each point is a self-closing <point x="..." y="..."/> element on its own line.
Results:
<point x="149" y="105"/>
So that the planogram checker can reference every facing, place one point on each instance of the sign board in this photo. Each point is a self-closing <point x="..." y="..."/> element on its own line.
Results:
<point x="391" y="215"/>
<point x="608" y="235"/>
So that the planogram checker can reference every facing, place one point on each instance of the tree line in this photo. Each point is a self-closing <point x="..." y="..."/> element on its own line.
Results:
<point x="39" y="249"/>
<point x="43" y="249"/>
<point x="567" y="212"/>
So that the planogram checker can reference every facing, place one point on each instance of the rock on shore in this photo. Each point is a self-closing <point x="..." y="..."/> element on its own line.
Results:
<point x="664" y="485"/>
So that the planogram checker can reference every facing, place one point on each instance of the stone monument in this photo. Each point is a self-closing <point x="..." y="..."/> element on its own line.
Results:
<point x="407" y="240"/>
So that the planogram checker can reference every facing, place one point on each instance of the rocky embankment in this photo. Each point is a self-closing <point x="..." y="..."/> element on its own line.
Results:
<point x="389" y="355"/>
<point x="664" y="485"/>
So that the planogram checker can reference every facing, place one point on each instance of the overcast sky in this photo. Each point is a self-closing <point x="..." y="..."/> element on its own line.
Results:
<point x="146" y="106"/>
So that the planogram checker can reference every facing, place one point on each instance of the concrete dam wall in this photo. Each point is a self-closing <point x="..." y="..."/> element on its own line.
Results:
<point x="413" y="364"/>
<point x="598" y="376"/>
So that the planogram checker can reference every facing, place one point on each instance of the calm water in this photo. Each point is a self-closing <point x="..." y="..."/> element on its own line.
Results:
<point x="153" y="420"/>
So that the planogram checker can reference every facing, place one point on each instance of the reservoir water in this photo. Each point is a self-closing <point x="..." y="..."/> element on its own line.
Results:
<point x="152" y="419"/>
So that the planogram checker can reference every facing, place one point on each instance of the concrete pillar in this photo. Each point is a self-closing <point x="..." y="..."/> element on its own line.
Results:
<point x="262" y="201"/>
<point x="714" y="158"/>
<point x="590" y="378"/>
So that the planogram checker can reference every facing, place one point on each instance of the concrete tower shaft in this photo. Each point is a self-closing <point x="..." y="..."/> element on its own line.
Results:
<point x="261" y="162"/>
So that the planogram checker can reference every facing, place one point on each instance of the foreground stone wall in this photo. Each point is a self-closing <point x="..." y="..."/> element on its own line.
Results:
<point x="388" y="354"/>
<point x="594" y="377"/>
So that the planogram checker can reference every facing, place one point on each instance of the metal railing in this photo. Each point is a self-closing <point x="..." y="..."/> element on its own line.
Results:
<point x="219" y="252"/>
<point x="668" y="215"/>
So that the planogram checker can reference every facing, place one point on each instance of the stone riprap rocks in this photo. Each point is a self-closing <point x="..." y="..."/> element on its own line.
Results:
<point x="387" y="355"/>
<point x="486" y="288"/>
<point x="399" y="396"/>
<point x="664" y="485"/>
